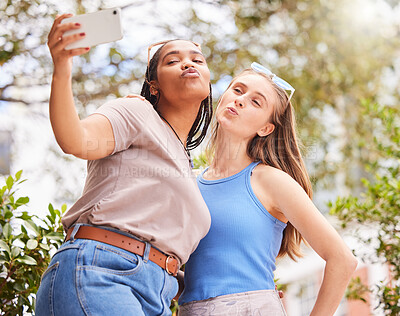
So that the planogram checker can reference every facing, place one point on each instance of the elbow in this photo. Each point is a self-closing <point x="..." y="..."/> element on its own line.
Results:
<point x="69" y="150"/>
<point x="65" y="149"/>
<point x="343" y="263"/>
<point x="353" y="263"/>
<point x="350" y="263"/>
<point x="72" y="151"/>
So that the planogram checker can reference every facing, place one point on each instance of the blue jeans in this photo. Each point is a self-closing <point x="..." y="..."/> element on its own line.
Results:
<point x="87" y="277"/>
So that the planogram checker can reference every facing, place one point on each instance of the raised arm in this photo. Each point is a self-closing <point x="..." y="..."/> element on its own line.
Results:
<point x="296" y="206"/>
<point x="91" y="138"/>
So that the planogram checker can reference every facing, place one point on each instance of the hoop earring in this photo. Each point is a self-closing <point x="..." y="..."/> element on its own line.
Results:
<point x="153" y="91"/>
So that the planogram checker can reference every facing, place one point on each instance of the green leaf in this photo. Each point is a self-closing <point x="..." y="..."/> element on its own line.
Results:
<point x="44" y="246"/>
<point x="7" y="230"/>
<point x="5" y="246"/>
<point x="63" y="208"/>
<point x="27" y="260"/>
<point x="55" y="236"/>
<point x="23" y="229"/>
<point x="9" y="182"/>
<point x="32" y="226"/>
<point x="8" y="214"/>
<point x="25" y="216"/>
<point x="18" y="287"/>
<point x="18" y="175"/>
<point x="32" y="244"/>
<point x="22" y="201"/>
<point x="2" y="259"/>
<point x="51" y="219"/>
<point x="15" y="251"/>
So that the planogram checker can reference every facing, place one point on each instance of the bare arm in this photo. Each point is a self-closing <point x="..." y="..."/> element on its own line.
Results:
<point x="91" y="138"/>
<point x="295" y="205"/>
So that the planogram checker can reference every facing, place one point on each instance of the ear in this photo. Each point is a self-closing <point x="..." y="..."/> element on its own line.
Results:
<point x="153" y="87"/>
<point x="266" y="130"/>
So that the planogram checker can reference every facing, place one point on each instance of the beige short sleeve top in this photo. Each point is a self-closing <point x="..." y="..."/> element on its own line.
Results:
<point x="146" y="186"/>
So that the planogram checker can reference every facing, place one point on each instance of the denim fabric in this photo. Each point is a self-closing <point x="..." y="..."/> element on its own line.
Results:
<point x="87" y="277"/>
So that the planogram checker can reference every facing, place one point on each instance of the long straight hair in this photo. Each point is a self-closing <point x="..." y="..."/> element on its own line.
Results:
<point x="200" y="125"/>
<point x="280" y="150"/>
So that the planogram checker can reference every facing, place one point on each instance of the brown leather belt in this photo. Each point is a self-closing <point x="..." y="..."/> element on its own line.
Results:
<point x="168" y="263"/>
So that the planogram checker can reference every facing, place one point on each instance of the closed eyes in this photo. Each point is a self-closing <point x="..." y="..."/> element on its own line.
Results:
<point x="197" y="61"/>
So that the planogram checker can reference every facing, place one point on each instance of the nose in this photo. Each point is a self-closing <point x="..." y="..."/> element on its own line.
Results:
<point x="187" y="64"/>
<point x="239" y="102"/>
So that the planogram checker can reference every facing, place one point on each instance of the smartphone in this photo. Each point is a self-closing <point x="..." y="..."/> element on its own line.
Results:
<point x="100" y="27"/>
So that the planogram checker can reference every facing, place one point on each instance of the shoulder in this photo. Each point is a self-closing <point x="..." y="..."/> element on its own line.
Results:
<point x="133" y="102"/>
<point x="275" y="180"/>
<point x="133" y="109"/>
<point x="268" y="174"/>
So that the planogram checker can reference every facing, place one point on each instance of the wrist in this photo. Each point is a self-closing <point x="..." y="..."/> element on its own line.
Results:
<point x="61" y="75"/>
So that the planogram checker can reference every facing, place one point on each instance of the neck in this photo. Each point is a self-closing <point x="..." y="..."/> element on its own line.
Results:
<point x="230" y="155"/>
<point x="180" y="116"/>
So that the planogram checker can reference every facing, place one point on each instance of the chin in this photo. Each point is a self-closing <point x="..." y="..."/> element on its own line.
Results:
<point x="194" y="95"/>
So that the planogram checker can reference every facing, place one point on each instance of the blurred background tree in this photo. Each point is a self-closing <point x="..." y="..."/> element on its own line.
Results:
<point x="377" y="210"/>
<point x="334" y="52"/>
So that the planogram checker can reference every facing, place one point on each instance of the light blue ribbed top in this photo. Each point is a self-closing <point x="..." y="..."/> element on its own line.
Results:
<point x="238" y="253"/>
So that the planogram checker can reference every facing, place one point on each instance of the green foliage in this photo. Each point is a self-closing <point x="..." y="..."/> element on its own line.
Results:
<point x="356" y="290"/>
<point x="26" y="244"/>
<point x="200" y="161"/>
<point x="378" y="208"/>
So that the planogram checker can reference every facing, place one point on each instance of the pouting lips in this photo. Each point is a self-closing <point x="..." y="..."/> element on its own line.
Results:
<point x="232" y="110"/>
<point x="191" y="72"/>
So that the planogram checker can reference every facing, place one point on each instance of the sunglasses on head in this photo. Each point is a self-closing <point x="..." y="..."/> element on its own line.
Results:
<point x="275" y="79"/>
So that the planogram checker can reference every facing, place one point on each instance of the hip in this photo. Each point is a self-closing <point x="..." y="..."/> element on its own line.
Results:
<point x="257" y="303"/>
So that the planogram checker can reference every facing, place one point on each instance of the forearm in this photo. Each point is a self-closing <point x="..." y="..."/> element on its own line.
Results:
<point x="336" y="278"/>
<point x="63" y="115"/>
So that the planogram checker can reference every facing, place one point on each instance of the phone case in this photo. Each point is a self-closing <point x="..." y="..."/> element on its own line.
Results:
<point x="100" y="27"/>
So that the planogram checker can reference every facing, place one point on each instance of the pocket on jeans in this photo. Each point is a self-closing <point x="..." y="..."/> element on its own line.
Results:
<point x="51" y="271"/>
<point x="45" y="294"/>
<point x="114" y="260"/>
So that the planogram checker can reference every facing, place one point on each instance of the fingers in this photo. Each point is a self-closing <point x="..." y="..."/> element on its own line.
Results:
<point x="64" y="41"/>
<point x="280" y="293"/>
<point x="58" y="34"/>
<point x="57" y="41"/>
<point x="57" y="22"/>
<point x="77" y="51"/>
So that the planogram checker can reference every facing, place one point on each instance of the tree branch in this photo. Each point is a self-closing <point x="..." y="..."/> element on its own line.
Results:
<point x="14" y="100"/>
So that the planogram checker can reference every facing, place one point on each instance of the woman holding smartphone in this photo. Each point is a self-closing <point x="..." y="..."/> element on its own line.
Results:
<point x="259" y="195"/>
<point x="141" y="213"/>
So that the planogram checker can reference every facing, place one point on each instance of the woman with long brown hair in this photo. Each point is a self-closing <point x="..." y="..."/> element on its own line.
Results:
<point x="141" y="213"/>
<point x="259" y="195"/>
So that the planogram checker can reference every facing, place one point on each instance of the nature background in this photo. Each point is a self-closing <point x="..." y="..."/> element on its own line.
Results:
<point x="343" y="58"/>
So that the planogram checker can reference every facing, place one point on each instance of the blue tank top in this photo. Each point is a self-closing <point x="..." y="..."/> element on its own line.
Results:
<point x="238" y="253"/>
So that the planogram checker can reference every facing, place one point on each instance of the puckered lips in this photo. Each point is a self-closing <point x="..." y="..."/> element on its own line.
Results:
<point x="190" y="73"/>
<point x="232" y="110"/>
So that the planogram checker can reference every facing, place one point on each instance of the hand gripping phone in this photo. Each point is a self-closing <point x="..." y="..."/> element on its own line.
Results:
<point x="100" y="27"/>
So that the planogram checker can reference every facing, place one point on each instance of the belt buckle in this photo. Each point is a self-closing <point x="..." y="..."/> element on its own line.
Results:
<point x="166" y="265"/>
